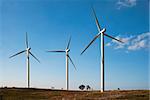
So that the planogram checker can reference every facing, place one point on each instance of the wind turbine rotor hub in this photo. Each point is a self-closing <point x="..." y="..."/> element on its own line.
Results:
<point x="103" y="31"/>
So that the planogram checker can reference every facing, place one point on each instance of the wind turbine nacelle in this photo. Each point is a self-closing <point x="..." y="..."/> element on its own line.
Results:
<point x="103" y="30"/>
<point x="28" y="49"/>
<point x="67" y="50"/>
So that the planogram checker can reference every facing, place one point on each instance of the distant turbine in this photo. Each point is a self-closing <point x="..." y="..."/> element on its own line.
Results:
<point x="28" y="52"/>
<point x="67" y="56"/>
<point x="102" y="33"/>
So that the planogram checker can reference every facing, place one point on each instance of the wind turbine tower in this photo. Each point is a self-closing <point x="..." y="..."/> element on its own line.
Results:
<point x="67" y="50"/>
<point x="28" y="53"/>
<point x="101" y="32"/>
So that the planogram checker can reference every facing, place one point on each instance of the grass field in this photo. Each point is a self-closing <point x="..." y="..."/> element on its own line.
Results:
<point x="48" y="94"/>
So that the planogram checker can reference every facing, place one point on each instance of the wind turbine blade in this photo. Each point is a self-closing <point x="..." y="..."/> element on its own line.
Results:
<point x="69" y="42"/>
<point x="72" y="62"/>
<point x="34" y="57"/>
<point x="113" y="38"/>
<point x="27" y="40"/>
<point x="57" y="51"/>
<point x="96" y="20"/>
<point x="90" y="43"/>
<point x="17" y="53"/>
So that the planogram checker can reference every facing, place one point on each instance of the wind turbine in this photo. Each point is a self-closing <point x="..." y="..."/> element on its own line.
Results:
<point x="67" y="50"/>
<point x="101" y="32"/>
<point x="28" y="52"/>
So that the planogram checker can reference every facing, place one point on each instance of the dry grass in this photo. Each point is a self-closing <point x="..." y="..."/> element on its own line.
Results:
<point x="47" y="94"/>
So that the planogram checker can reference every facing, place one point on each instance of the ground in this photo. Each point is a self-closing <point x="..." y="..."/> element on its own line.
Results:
<point x="48" y="94"/>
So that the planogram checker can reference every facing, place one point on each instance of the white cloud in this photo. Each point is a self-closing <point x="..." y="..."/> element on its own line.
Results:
<point x="132" y="43"/>
<point x="137" y="45"/>
<point x="126" y="3"/>
<point x="108" y="44"/>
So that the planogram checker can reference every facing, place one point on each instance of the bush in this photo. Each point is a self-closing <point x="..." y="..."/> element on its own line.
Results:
<point x="81" y="87"/>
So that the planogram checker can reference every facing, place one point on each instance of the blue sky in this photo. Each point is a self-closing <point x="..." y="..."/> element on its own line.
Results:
<point x="49" y="25"/>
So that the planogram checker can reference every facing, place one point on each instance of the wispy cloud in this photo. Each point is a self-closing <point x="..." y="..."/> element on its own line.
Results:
<point x="126" y="3"/>
<point x="131" y="43"/>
